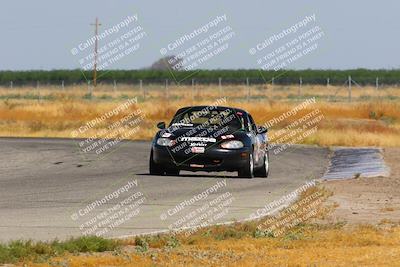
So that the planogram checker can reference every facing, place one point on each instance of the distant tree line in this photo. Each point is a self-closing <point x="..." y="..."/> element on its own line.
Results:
<point x="336" y="77"/>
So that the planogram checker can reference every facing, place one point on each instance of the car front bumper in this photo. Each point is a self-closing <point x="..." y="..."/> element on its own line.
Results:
<point x="213" y="159"/>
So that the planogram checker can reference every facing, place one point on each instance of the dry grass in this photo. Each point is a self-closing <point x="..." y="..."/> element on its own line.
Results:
<point x="312" y="246"/>
<point x="50" y="112"/>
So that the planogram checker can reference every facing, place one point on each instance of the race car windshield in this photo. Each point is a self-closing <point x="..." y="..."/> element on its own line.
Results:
<point x="209" y="118"/>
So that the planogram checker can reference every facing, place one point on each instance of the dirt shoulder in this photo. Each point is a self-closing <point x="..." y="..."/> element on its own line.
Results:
<point x="368" y="200"/>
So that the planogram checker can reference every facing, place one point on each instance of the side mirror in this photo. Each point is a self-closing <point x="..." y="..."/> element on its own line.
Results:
<point x="261" y="129"/>
<point x="161" y="125"/>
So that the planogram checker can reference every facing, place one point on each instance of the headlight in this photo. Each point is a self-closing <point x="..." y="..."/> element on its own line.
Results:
<point x="165" y="142"/>
<point x="233" y="144"/>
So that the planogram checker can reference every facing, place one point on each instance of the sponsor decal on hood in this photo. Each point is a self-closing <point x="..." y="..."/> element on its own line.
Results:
<point x="197" y="139"/>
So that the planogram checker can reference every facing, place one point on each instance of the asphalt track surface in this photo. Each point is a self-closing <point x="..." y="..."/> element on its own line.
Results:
<point x="46" y="186"/>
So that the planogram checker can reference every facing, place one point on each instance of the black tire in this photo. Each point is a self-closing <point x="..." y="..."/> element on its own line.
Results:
<point x="264" y="170"/>
<point x="248" y="170"/>
<point x="172" y="172"/>
<point x="154" y="168"/>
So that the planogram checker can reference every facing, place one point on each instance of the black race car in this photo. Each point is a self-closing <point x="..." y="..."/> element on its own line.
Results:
<point x="210" y="138"/>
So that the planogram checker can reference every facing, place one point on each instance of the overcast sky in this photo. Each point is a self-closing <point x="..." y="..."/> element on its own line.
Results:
<point x="356" y="33"/>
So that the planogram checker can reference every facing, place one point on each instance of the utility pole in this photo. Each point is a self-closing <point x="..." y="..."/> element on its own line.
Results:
<point x="96" y="30"/>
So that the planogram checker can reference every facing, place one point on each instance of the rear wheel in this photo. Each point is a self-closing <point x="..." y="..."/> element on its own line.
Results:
<point x="154" y="168"/>
<point x="248" y="170"/>
<point x="264" y="170"/>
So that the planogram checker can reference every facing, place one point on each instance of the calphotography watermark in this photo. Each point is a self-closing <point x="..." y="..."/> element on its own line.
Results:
<point x="208" y="214"/>
<point x="103" y="215"/>
<point x="194" y="48"/>
<point x="282" y="49"/>
<point x="200" y="210"/>
<point x="293" y="126"/>
<point x="198" y="130"/>
<point x="114" y="43"/>
<point x="298" y="212"/>
<point x="104" y="133"/>
<point x="205" y="134"/>
<point x="272" y="207"/>
<point x="196" y="198"/>
<point x="187" y="121"/>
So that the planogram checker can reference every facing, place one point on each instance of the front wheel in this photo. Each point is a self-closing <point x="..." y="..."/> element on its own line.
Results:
<point x="248" y="170"/>
<point x="264" y="170"/>
<point x="154" y="168"/>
